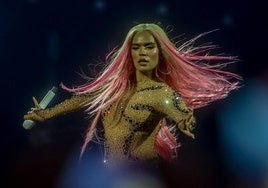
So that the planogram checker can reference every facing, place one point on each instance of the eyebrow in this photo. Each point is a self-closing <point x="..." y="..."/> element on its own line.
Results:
<point x="146" y="44"/>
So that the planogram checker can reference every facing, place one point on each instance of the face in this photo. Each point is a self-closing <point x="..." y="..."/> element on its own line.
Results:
<point x="144" y="52"/>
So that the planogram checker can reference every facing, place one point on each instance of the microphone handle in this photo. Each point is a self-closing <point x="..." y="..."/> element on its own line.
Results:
<point x="28" y="124"/>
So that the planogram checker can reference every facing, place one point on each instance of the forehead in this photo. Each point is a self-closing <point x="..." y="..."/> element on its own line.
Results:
<point x="143" y="37"/>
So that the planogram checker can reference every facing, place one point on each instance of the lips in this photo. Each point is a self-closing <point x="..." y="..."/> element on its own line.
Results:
<point x="143" y="62"/>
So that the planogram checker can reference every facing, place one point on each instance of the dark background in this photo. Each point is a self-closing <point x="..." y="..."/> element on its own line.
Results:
<point x="45" y="42"/>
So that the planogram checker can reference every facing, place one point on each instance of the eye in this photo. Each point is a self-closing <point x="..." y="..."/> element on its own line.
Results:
<point x="150" y="47"/>
<point x="135" y="48"/>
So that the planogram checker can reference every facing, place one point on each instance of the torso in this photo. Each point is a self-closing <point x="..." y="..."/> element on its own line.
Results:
<point x="131" y="124"/>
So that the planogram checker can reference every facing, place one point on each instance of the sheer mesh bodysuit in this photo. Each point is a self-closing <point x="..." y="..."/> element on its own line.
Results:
<point x="132" y="123"/>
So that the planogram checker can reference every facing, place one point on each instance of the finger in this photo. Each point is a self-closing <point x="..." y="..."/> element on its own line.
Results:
<point x="33" y="116"/>
<point x="188" y="128"/>
<point x="192" y="127"/>
<point x="189" y="125"/>
<point x="188" y="133"/>
<point x="27" y="116"/>
<point x="36" y="104"/>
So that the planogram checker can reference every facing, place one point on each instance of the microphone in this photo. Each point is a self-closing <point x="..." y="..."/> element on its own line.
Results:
<point x="28" y="124"/>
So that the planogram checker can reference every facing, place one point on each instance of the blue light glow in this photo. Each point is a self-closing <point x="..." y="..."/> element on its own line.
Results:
<point x="244" y="131"/>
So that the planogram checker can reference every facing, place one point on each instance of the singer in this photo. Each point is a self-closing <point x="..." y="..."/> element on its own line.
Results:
<point x="146" y="93"/>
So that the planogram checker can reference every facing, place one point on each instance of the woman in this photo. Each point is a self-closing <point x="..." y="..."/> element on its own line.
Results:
<point x="146" y="81"/>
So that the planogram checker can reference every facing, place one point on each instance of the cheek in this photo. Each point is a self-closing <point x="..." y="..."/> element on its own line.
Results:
<point x="134" y="55"/>
<point x="154" y="53"/>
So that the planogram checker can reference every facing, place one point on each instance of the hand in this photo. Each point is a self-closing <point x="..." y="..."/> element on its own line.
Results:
<point x="34" y="113"/>
<point x="188" y="126"/>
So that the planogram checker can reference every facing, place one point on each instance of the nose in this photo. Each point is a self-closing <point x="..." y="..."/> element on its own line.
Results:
<point x="142" y="51"/>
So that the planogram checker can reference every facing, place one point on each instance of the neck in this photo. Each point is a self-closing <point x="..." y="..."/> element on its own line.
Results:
<point x="142" y="77"/>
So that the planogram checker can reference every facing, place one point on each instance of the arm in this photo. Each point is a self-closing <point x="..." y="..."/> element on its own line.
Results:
<point x="172" y="105"/>
<point x="75" y="103"/>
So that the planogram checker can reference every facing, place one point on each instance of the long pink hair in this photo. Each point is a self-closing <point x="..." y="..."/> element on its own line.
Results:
<point x="184" y="68"/>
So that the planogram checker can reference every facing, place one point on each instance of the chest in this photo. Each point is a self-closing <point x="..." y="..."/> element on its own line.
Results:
<point x="135" y="109"/>
<point x="141" y="107"/>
